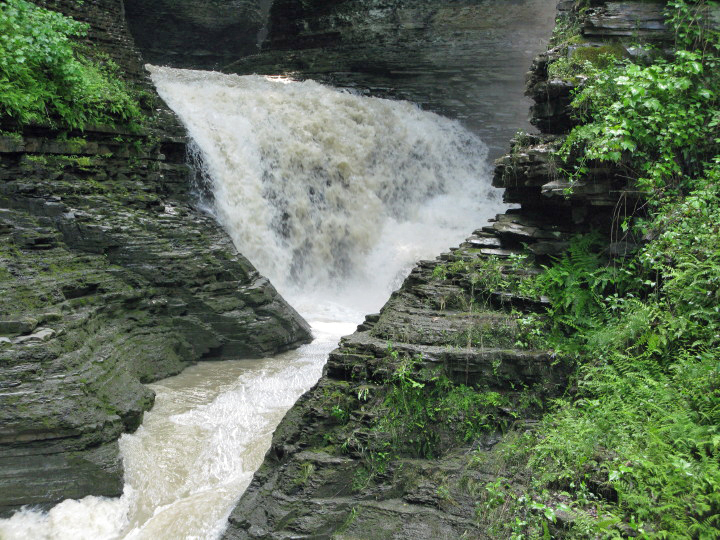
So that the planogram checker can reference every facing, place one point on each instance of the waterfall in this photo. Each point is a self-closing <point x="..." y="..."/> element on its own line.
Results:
<point x="326" y="190"/>
<point x="331" y="195"/>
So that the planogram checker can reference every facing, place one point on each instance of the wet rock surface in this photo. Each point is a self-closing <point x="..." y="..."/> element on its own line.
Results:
<point x="313" y="482"/>
<point x="110" y="277"/>
<point x="184" y="34"/>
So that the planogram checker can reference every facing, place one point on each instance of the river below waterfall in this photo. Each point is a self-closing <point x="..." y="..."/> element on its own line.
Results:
<point x="331" y="195"/>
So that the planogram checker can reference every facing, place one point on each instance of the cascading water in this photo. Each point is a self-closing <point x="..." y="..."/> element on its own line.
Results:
<point x="322" y="188"/>
<point x="334" y="197"/>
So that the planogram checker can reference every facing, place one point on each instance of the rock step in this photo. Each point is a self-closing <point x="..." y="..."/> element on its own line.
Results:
<point x="496" y="368"/>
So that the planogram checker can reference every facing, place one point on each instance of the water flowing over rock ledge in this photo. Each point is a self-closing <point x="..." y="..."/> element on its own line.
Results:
<point x="110" y="277"/>
<point x="458" y="59"/>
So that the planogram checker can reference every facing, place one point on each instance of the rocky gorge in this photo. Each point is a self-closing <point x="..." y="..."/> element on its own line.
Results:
<point x="114" y="275"/>
<point x="383" y="446"/>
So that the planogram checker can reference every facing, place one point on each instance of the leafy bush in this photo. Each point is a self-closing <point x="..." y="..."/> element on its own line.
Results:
<point x="636" y="446"/>
<point x="662" y="121"/>
<point x="46" y="79"/>
<point x="653" y="119"/>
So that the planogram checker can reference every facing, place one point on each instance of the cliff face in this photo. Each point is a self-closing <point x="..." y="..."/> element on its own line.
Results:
<point x="460" y="59"/>
<point x="180" y="33"/>
<point x="109" y="277"/>
<point x="339" y="464"/>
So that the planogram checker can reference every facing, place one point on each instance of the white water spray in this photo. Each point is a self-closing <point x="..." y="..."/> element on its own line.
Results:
<point x="321" y="188"/>
<point x="334" y="197"/>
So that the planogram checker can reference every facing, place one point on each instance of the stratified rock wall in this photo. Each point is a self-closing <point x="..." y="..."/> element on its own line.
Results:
<point x="188" y="34"/>
<point x="460" y="59"/>
<point x="109" y="277"/>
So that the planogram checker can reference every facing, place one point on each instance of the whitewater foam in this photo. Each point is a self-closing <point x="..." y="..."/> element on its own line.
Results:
<point x="321" y="188"/>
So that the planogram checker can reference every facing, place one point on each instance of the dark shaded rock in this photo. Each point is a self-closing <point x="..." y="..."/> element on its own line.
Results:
<point x="96" y="470"/>
<point x="529" y="164"/>
<point x="131" y="285"/>
<point x="551" y="111"/>
<point x="10" y="328"/>
<point x="180" y="33"/>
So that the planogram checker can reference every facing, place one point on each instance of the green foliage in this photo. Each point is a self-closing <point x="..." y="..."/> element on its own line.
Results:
<point x="420" y="413"/>
<point x="652" y="120"/>
<point x="422" y="408"/>
<point x="634" y="449"/>
<point x="512" y="515"/>
<point x="646" y="440"/>
<point x="642" y="430"/>
<point x="483" y="276"/>
<point x="659" y="122"/>
<point x="46" y="78"/>
<point x="307" y="469"/>
<point x="583" y="59"/>
<point x="692" y="23"/>
<point x="637" y="446"/>
<point x="578" y="284"/>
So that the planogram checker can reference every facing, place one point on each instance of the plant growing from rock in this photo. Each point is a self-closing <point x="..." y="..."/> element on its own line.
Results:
<point x="47" y="77"/>
<point x="634" y="448"/>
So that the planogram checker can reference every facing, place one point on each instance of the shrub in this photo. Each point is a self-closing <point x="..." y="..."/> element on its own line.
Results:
<point x="636" y="445"/>
<point x="45" y="78"/>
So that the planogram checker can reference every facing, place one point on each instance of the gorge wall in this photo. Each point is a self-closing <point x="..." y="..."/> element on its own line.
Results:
<point x="180" y="33"/>
<point x="459" y="59"/>
<point x="110" y="277"/>
<point x="365" y="453"/>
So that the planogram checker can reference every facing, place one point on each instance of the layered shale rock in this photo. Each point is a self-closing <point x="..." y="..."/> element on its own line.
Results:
<point x="184" y="34"/>
<point x="448" y="57"/>
<point x="110" y="276"/>
<point x="336" y="469"/>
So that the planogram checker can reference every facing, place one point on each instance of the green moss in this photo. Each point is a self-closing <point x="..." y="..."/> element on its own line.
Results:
<point x="306" y="470"/>
<point x="581" y="60"/>
<point x="75" y="145"/>
<point x="39" y="159"/>
<point x="490" y="334"/>
<point x="600" y="57"/>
